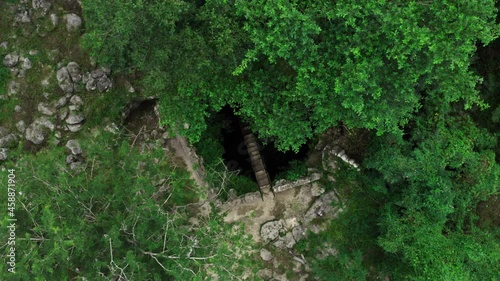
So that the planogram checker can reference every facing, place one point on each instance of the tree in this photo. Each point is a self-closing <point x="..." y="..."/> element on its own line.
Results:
<point x="111" y="220"/>
<point x="292" y="68"/>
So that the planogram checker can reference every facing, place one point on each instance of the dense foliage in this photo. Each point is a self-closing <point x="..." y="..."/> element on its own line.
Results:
<point x="111" y="220"/>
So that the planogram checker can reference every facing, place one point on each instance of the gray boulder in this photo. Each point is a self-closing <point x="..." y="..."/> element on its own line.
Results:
<point x="76" y="100"/>
<point x="75" y="127"/>
<point x="54" y="20"/>
<point x="286" y="241"/>
<point x="74" y="147"/>
<point x="8" y="141"/>
<point x="73" y="22"/>
<point x="104" y="83"/>
<point x="75" y="118"/>
<point x="12" y="88"/>
<point x="61" y="102"/>
<point x="74" y="72"/>
<point x="97" y="73"/>
<point x="91" y="84"/>
<point x="3" y="154"/>
<point x="26" y="63"/>
<point x="71" y="159"/>
<point x="35" y="133"/>
<point x="64" y="80"/>
<point x="46" y="109"/>
<point x="270" y="230"/>
<point x="11" y="60"/>
<point x="3" y="132"/>
<point x="41" y="5"/>
<point x="265" y="254"/>
<point x="21" y="126"/>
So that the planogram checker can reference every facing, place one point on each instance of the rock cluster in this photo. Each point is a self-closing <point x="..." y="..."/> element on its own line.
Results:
<point x="97" y="79"/>
<point x="75" y="159"/>
<point x="17" y="64"/>
<point x="69" y="78"/>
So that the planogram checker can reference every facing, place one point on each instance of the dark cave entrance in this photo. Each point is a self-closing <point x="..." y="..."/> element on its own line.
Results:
<point x="236" y="155"/>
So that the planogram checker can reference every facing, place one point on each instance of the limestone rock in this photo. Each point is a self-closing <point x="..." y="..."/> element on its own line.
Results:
<point x="21" y="126"/>
<point x="3" y="154"/>
<point x="298" y="233"/>
<point x="75" y="118"/>
<point x="76" y="100"/>
<point x="73" y="22"/>
<point x="26" y="63"/>
<point x="3" y="132"/>
<point x="103" y="84"/>
<point x="8" y="141"/>
<point x="44" y="122"/>
<point x="23" y="16"/>
<point x="71" y="159"/>
<point x="74" y="72"/>
<point x="286" y="241"/>
<point x="63" y="114"/>
<point x="112" y="128"/>
<point x="317" y="190"/>
<point x="97" y="73"/>
<point x="41" y="5"/>
<point x="74" y="147"/>
<point x="61" y="102"/>
<point x="64" y="80"/>
<point x="12" y="88"/>
<point x="91" y="84"/>
<point x="75" y="127"/>
<point x="54" y="20"/>
<point x="270" y="230"/>
<point x="265" y="254"/>
<point x="11" y="60"/>
<point x="45" y="109"/>
<point x="35" y="133"/>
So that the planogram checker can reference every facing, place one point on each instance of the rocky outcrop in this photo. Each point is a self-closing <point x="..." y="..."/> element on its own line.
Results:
<point x="283" y="185"/>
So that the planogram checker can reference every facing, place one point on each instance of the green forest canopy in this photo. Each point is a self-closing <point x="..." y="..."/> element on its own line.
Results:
<point x="293" y="69"/>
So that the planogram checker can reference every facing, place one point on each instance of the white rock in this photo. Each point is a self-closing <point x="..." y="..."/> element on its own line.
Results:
<point x="61" y="102"/>
<point x="11" y="60"/>
<point x="76" y="100"/>
<point x="74" y="71"/>
<point x="26" y="63"/>
<point x="75" y="118"/>
<point x="270" y="230"/>
<point x="75" y="128"/>
<point x="12" y="88"/>
<point x="54" y="20"/>
<point x="64" y="80"/>
<point x="73" y="22"/>
<point x="45" y="109"/>
<point x="3" y="154"/>
<point x="21" y="126"/>
<point x="74" y="147"/>
<point x="265" y="254"/>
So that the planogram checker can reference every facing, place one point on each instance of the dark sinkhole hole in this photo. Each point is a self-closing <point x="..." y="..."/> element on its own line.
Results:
<point x="140" y="115"/>
<point x="236" y="156"/>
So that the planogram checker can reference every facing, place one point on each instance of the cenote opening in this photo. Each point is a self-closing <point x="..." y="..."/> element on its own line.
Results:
<point x="236" y="156"/>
